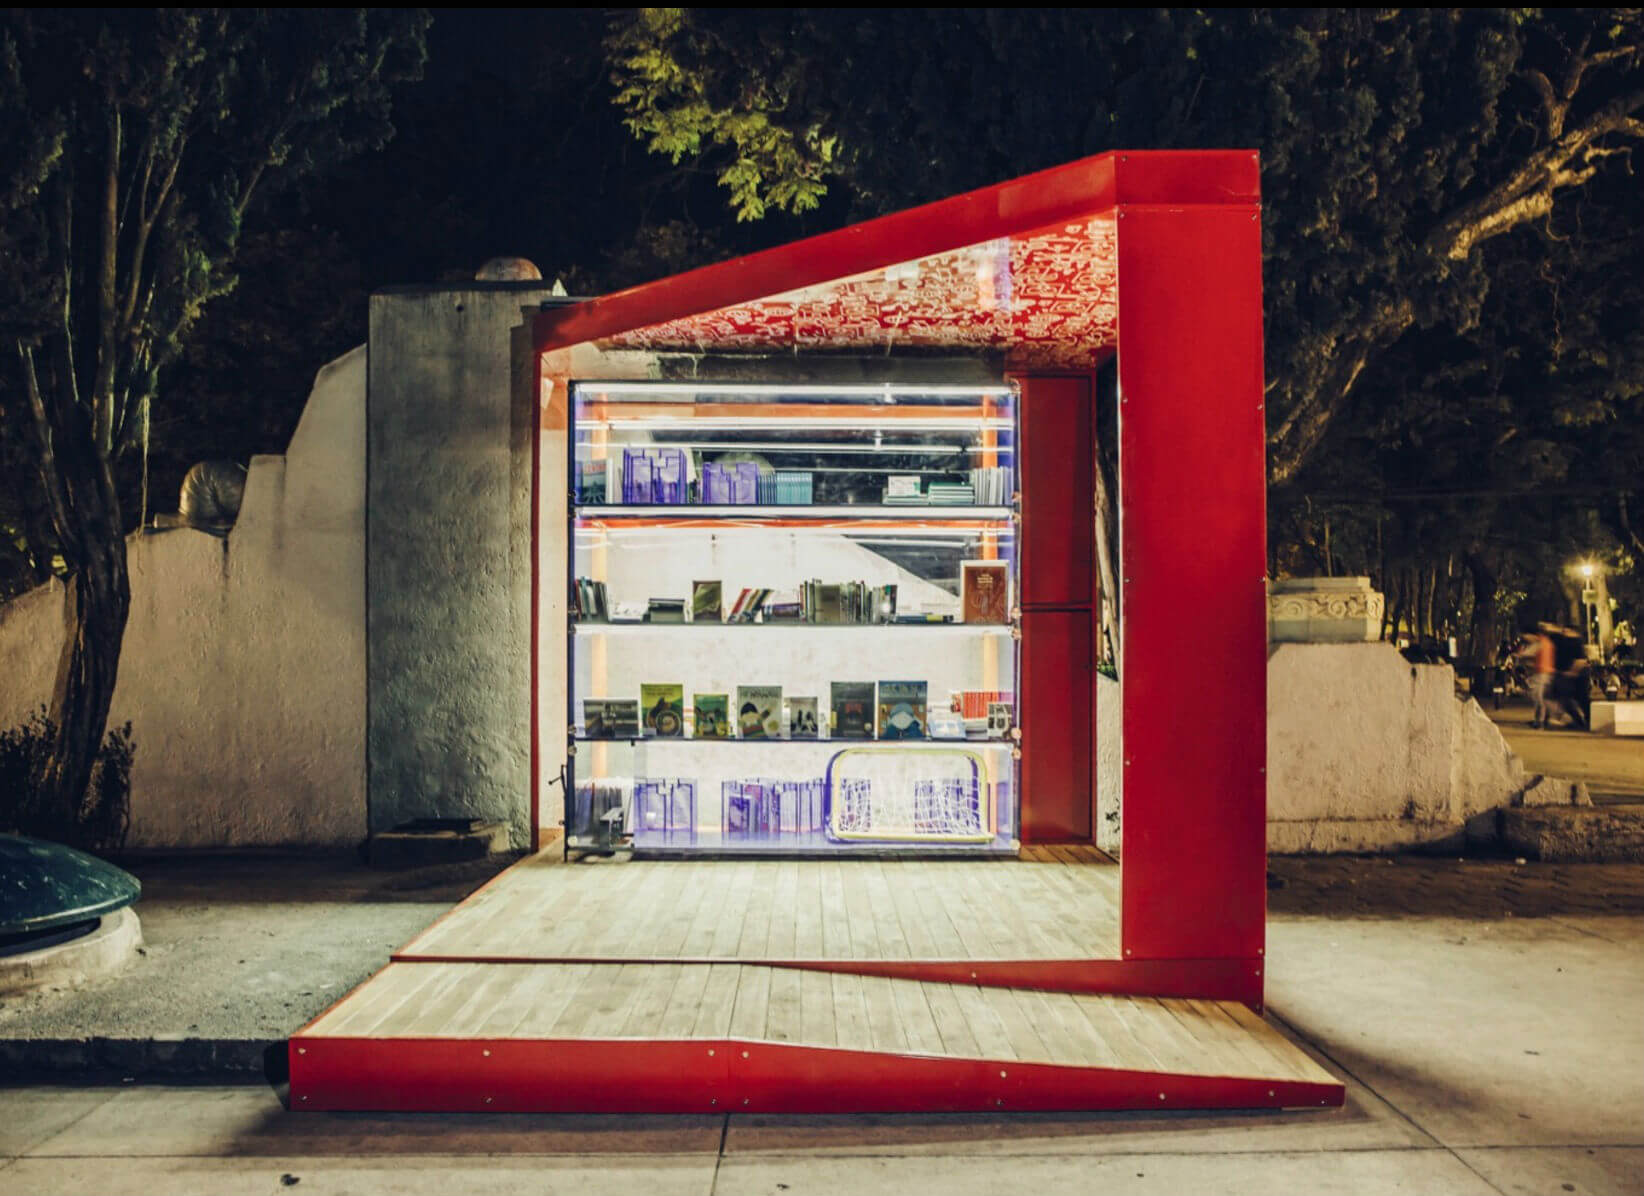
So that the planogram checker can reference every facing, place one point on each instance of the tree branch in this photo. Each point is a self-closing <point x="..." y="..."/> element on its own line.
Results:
<point x="1527" y="194"/>
<point x="102" y="394"/>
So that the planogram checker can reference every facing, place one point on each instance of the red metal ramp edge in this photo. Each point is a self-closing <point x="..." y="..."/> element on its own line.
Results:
<point x="730" y="1075"/>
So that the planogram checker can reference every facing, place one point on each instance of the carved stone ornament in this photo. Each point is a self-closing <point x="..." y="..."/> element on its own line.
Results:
<point x="1323" y="610"/>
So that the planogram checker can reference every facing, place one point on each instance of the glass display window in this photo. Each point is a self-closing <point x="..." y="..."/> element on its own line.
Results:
<point x="793" y="616"/>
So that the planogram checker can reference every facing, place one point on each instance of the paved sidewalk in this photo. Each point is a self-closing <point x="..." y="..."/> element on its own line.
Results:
<point x="1612" y="765"/>
<point x="1482" y="1057"/>
<point x="240" y="950"/>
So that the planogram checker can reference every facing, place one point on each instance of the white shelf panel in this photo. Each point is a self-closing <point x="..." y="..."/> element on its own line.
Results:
<point x="591" y="628"/>
<point x="750" y="511"/>
<point x="835" y="745"/>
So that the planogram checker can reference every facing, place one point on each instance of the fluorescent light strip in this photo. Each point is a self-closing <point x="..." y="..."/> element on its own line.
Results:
<point x="888" y="389"/>
<point x="685" y="419"/>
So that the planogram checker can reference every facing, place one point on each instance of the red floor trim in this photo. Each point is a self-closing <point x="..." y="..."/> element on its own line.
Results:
<point x="633" y="1076"/>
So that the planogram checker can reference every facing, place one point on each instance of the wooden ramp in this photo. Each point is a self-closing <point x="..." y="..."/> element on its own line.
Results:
<point x="735" y="1037"/>
<point x="796" y="986"/>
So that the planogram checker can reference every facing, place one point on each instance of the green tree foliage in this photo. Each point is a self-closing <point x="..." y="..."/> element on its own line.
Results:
<point x="1450" y="230"/>
<point x="1395" y="143"/>
<point x="138" y="141"/>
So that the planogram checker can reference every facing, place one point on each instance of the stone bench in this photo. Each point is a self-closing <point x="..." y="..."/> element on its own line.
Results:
<point x="1618" y="718"/>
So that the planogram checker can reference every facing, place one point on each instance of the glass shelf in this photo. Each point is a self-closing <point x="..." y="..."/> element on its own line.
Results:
<point x="836" y="744"/>
<point x="595" y="627"/>
<point x="833" y="514"/>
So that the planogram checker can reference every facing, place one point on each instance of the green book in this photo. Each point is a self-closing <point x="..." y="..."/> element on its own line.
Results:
<point x="713" y="716"/>
<point x="707" y="602"/>
<point x="662" y="707"/>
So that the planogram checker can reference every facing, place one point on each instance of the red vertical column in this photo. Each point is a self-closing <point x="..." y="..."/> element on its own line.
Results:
<point x="1192" y="565"/>
<point x="1057" y="596"/>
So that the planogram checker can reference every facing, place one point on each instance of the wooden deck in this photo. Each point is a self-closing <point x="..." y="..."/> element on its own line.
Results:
<point x="798" y="1007"/>
<point x="797" y="986"/>
<point x="1061" y="905"/>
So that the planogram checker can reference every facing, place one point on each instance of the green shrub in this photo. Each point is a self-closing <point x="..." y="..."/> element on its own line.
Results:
<point x="103" y="817"/>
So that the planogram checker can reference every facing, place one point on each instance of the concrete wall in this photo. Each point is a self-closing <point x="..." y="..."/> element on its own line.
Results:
<point x="243" y="671"/>
<point x="1365" y="752"/>
<point x="448" y="554"/>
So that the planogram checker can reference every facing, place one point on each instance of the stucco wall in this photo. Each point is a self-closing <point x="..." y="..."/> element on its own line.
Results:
<point x="1365" y="752"/>
<point x="243" y="669"/>
<point x="448" y="568"/>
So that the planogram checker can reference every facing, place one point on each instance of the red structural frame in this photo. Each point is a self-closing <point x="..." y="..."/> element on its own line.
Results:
<point x="1191" y="577"/>
<point x="1192" y="522"/>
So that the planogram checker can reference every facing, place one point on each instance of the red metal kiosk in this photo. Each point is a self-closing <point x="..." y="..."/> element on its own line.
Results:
<point x="670" y="998"/>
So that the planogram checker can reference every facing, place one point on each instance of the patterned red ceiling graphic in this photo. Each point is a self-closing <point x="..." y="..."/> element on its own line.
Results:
<point x="1046" y="299"/>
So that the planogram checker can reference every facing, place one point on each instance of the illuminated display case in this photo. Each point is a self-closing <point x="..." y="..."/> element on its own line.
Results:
<point x="794" y="621"/>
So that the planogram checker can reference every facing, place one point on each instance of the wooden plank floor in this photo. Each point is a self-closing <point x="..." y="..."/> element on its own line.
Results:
<point x="796" y="1007"/>
<point x="1059" y="905"/>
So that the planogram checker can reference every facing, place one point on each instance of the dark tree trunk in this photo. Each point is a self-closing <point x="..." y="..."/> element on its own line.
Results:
<point x="1481" y="635"/>
<point x="85" y="513"/>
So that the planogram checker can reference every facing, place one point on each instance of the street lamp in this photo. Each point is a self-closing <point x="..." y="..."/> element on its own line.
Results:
<point x="1589" y="602"/>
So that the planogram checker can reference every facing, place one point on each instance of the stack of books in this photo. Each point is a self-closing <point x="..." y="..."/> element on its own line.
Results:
<point x="588" y="601"/>
<point x="992" y="485"/>
<point x="951" y="494"/>
<point x="904" y="490"/>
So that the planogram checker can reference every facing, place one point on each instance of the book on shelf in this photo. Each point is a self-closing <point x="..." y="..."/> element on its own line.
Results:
<point x="991" y="485"/>
<point x="588" y="600"/>
<point x="748" y="604"/>
<point x="759" y="711"/>
<point x="946" y="724"/>
<point x="851" y="709"/>
<point x="903" y="488"/>
<point x="801" y="718"/>
<point x="1001" y="716"/>
<point x="976" y="703"/>
<point x="712" y="715"/>
<point x="984" y="591"/>
<point x="591" y="482"/>
<point x="662" y="705"/>
<point x="707" y="601"/>
<point x="628" y="612"/>
<point x="784" y="607"/>
<point x="610" y="718"/>
<point x="902" y="713"/>
<point x="665" y="610"/>
<point x="951" y="494"/>
<point x="922" y="616"/>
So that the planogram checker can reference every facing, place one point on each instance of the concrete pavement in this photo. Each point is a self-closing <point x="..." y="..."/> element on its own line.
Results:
<point x="1612" y="765"/>
<point x="1482" y="1056"/>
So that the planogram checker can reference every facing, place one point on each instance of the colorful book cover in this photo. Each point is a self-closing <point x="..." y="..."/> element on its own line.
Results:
<point x="610" y="718"/>
<point x="713" y="715"/>
<point x="902" y="710"/>
<point x="851" y="714"/>
<point x="802" y="718"/>
<point x="759" y="711"/>
<point x="663" y="708"/>
<point x="984" y="591"/>
<point x="707" y="602"/>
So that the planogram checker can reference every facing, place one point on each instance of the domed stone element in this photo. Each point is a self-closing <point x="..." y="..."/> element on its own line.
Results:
<point x="508" y="269"/>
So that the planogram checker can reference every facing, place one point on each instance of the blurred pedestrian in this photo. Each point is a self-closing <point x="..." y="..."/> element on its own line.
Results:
<point x="1541" y="653"/>
<point x="1570" y="675"/>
